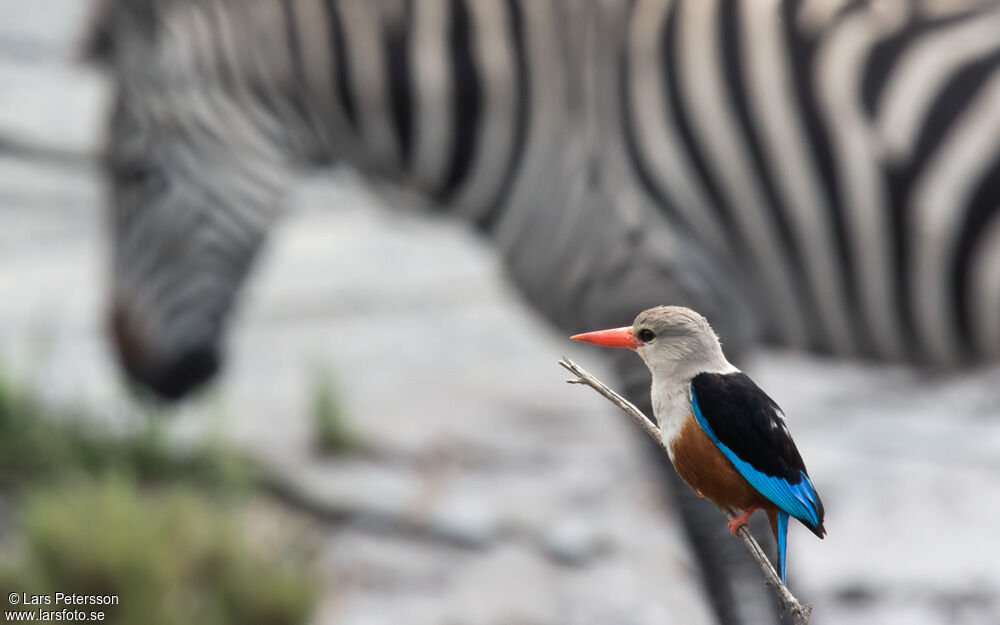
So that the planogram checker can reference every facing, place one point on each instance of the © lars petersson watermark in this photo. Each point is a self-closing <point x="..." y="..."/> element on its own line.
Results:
<point x="58" y="606"/>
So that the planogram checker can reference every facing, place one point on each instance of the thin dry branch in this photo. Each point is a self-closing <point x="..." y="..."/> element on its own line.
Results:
<point x="800" y="612"/>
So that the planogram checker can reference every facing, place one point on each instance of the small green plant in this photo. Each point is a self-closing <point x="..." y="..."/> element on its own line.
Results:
<point x="333" y="433"/>
<point x="128" y="514"/>
<point x="170" y="555"/>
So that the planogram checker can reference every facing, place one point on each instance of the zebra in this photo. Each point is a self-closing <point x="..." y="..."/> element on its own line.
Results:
<point x="817" y="174"/>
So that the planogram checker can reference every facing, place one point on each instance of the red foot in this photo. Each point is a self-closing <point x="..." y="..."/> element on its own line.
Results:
<point x="742" y="520"/>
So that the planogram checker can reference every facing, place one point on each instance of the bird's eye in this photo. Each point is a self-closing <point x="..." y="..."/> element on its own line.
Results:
<point x="646" y="335"/>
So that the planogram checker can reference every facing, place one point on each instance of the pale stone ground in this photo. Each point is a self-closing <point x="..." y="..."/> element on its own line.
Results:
<point x="543" y="483"/>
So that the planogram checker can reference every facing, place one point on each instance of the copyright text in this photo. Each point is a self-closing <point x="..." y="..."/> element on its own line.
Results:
<point x="58" y="606"/>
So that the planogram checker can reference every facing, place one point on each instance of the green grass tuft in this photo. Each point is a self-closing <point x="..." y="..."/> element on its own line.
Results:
<point x="170" y="555"/>
<point x="333" y="433"/>
<point x="129" y="515"/>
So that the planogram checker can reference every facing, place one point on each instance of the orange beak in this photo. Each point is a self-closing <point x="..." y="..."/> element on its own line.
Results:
<point x="618" y="337"/>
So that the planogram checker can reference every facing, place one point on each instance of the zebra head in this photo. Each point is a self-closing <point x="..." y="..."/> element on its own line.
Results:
<point x="190" y="203"/>
<point x="185" y="227"/>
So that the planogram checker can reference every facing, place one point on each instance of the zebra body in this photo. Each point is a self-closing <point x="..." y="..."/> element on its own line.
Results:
<point x="830" y="164"/>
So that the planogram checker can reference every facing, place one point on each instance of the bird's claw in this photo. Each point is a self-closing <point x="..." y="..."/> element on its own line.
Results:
<point x="741" y="521"/>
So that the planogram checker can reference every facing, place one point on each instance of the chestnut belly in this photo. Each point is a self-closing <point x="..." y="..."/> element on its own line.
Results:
<point x="705" y="469"/>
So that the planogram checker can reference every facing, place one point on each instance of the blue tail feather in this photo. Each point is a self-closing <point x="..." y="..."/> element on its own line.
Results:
<point x="782" y="542"/>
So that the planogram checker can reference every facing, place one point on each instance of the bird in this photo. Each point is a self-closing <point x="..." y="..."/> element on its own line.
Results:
<point x="727" y="439"/>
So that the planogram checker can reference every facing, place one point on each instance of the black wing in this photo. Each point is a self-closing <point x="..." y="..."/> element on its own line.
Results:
<point x="746" y="424"/>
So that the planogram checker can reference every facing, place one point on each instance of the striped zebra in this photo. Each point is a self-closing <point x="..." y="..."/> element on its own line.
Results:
<point x="820" y="174"/>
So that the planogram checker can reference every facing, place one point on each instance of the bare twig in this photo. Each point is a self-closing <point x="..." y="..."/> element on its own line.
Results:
<point x="800" y="612"/>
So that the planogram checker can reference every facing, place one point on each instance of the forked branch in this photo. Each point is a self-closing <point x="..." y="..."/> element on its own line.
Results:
<point x="799" y="611"/>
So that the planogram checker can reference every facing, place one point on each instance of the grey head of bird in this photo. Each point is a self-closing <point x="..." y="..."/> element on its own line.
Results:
<point x="675" y="342"/>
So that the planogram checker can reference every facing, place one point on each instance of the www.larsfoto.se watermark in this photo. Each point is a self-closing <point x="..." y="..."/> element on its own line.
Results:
<point x="58" y="606"/>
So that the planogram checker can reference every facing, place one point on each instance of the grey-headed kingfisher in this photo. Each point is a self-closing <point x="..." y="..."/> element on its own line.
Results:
<point x="726" y="437"/>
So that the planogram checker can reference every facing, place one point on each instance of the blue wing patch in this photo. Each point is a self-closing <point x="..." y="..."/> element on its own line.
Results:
<point x="799" y="500"/>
